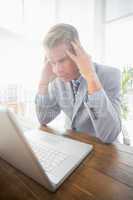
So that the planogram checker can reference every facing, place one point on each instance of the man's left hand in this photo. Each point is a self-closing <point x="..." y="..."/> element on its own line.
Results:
<point x="82" y="60"/>
<point x="85" y="65"/>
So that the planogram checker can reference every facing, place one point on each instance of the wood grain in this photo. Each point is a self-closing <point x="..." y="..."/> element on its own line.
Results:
<point x="106" y="174"/>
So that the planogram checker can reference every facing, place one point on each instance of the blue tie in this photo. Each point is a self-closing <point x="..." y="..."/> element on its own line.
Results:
<point x="75" y="84"/>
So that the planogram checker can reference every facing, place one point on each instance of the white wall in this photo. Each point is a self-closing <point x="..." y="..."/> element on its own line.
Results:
<point x="118" y="8"/>
<point x="99" y="31"/>
<point x="11" y="14"/>
<point x="20" y="59"/>
<point x="119" y="32"/>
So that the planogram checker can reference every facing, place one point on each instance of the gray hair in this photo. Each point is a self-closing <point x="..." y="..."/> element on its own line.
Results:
<point x="60" y="33"/>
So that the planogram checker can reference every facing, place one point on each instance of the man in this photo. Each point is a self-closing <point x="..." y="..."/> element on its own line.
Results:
<point x="88" y="93"/>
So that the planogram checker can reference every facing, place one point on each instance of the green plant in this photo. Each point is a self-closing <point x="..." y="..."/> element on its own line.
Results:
<point x="126" y="84"/>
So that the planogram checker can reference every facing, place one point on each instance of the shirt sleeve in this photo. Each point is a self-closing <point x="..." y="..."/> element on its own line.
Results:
<point x="46" y="106"/>
<point x="103" y="108"/>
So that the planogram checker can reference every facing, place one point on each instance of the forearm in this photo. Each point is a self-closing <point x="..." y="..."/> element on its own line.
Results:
<point x="104" y="115"/>
<point x="93" y="82"/>
<point x="43" y="88"/>
<point x="46" y="108"/>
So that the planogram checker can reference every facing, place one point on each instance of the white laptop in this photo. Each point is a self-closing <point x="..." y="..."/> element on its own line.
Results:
<point x="47" y="158"/>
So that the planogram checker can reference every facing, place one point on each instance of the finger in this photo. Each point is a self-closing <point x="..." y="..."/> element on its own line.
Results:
<point x="77" y="42"/>
<point x="76" y="48"/>
<point x="72" y="56"/>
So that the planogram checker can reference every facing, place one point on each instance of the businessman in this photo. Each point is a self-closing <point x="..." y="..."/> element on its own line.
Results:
<point x="88" y="93"/>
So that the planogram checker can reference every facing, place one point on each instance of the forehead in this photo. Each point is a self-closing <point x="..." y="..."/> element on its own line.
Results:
<point x="57" y="52"/>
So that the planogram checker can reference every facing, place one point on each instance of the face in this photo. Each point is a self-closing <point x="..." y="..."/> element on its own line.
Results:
<point x="62" y="65"/>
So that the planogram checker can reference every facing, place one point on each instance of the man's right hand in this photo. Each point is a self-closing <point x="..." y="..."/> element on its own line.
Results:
<point x="47" y="75"/>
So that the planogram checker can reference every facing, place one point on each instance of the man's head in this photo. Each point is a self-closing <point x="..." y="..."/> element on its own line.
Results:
<point x="56" y="42"/>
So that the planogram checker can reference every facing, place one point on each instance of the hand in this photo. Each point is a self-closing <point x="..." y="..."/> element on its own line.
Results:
<point x="82" y="60"/>
<point x="47" y="73"/>
<point x="85" y="65"/>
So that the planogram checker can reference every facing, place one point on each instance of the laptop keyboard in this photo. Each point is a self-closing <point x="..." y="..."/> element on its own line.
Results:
<point x="49" y="157"/>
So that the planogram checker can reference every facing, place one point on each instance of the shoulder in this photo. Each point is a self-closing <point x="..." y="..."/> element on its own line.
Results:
<point x="106" y="70"/>
<point x="108" y="74"/>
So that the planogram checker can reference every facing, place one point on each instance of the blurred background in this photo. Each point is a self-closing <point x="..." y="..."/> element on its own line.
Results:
<point x="106" y="32"/>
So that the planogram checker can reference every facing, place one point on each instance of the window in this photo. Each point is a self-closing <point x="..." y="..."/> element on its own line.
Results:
<point x="119" y="50"/>
<point x="119" y="46"/>
<point x="11" y="14"/>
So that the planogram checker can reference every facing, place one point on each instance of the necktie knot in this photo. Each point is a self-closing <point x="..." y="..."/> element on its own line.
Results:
<point x="76" y="84"/>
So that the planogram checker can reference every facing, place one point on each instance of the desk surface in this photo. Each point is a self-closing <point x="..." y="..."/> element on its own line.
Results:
<point x="106" y="174"/>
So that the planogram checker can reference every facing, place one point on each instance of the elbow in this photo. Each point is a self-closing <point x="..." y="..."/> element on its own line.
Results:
<point x="112" y="136"/>
<point x="42" y="117"/>
<point x="43" y="120"/>
<point x="109" y="134"/>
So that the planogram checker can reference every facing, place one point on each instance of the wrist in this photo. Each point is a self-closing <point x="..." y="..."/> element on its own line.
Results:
<point x="44" y="83"/>
<point x="43" y="88"/>
<point x="93" y="84"/>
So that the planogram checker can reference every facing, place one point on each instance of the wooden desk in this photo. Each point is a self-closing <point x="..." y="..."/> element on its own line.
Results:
<point x="106" y="174"/>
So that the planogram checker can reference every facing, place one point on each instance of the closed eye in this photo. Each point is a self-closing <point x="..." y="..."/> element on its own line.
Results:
<point x="62" y="60"/>
<point x="59" y="61"/>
